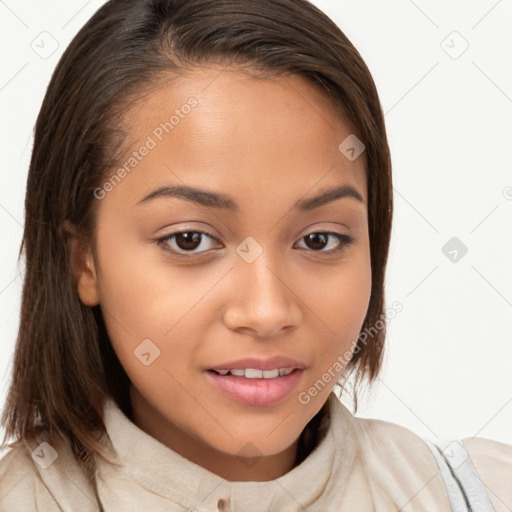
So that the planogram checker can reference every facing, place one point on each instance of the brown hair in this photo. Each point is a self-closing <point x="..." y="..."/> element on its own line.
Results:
<point x="64" y="366"/>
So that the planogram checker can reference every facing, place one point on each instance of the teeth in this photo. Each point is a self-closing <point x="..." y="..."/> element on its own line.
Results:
<point x="253" y="373"/>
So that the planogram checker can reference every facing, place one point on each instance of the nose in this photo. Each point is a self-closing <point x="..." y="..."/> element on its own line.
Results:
<point x="262" y="302"/>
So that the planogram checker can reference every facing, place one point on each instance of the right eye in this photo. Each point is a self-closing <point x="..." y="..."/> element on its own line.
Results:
<point x="185" y="242"/>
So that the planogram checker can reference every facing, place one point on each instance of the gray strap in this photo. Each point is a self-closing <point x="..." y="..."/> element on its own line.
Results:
<point x="464" y="487"/>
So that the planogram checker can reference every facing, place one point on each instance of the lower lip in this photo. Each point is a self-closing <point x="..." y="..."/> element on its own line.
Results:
<point x="256" y="392"/>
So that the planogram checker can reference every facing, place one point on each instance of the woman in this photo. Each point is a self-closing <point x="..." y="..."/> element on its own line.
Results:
<point x="208" y="216"/>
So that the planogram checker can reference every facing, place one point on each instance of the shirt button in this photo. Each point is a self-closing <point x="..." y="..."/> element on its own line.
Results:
<point x="221" y="504"/>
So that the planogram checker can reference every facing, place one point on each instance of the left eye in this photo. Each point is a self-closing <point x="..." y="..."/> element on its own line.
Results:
<point x="321" y="238"/>
<point x="187" y="242"/>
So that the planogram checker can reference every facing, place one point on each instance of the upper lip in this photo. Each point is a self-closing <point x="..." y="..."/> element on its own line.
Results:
<point x="261" y="364"/>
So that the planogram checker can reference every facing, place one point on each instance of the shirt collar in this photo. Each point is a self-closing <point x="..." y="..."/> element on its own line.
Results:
<point x="164" y="471"/>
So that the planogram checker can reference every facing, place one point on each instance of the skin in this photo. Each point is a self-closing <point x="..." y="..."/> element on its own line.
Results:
<point x="266" y="143"/>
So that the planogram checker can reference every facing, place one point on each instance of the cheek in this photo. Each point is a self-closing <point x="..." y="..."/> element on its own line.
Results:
<point x="138" y="291"/>
<point x="130" y="298"/>
<point x="339" y="303"/>
<point x="350" y="299"/>
<point x="341" y="296"/>
<point x="143" y="298"/>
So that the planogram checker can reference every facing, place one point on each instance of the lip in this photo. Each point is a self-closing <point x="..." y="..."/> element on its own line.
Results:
<point x="261" y="364"/>
<point x="256" y="392"/>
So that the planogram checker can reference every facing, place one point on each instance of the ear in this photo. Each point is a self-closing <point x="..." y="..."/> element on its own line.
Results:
<point x="83" y="266"/>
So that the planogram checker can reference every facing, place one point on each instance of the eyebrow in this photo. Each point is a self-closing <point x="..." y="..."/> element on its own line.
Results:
<point x="223" y="202"/>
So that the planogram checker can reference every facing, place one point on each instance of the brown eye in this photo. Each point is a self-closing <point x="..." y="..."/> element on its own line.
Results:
<point x="184" y="242"/>
<point x="188" y="241"/>
<point x="316" y="241"/>
<point x="319" y="240"/>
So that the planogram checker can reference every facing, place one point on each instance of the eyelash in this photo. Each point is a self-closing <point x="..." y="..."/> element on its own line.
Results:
<point x="344" y="241"/>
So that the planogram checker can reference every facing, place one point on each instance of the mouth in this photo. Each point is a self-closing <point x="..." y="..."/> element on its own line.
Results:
<point x="255" y="387"/>
<point x="255" y="373"/>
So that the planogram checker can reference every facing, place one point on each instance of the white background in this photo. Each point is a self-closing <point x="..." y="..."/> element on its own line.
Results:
<point x="448" y="366"/>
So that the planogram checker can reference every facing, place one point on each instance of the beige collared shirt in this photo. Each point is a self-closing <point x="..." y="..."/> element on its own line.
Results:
<point x="359" y="465"/>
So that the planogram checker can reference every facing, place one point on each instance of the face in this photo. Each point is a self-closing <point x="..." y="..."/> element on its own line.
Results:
<point x="258" y="272"/>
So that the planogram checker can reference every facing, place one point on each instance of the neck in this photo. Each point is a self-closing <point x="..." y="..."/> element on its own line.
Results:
<point x="227" y="466"/>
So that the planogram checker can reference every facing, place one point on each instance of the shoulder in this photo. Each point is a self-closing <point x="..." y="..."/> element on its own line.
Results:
<point x="400" y="463"/>
<point x="396" y="445"/>
<point x="393" y="435"/>
<point x="492" y="461"/>
<point x="38" y="476"/>
<point x="17" y="482"/>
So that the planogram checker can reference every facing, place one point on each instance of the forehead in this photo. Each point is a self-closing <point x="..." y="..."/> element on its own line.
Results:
<point x="228" y="130"/>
